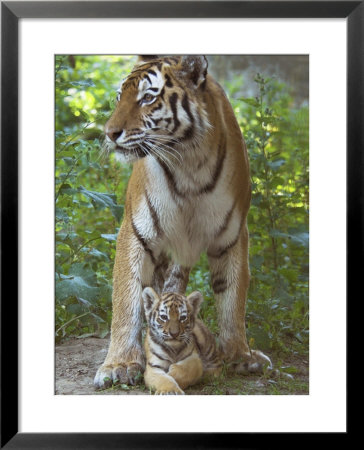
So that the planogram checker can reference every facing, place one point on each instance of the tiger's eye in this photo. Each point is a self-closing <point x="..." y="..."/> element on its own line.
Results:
<point x="163" y="317"/>
<point x="148" y="97"/>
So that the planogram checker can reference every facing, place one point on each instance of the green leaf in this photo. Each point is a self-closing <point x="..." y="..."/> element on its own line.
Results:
<point x="299" y="238"/>
<point x="83" y="301"/>
<point x="70" y="239"/>
<point x="67" y="189"/>
<point x="96" y="253"/>
<point x="103" y="200"/>
<point x="85" y="335"/>
<point x="289" y="369"/>
<point x="75" y="286"/>
<point x="104" y="332"/>
<point x="61" y="215"/>
<point x="83" y="83"/>
<point x="79" y="283"/>
<point x="106" y="290"/>
<point x="98" y="318"/>
<point x="110" y="237"/>
<point x="250" y="101"/>
<point x="80" y="83"/>
<point x="268" y="120"/>
<point x="275" y="182"/>
<point x="277" y="163"/>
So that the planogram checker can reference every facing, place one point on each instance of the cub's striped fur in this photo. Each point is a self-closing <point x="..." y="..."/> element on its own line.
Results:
<point x="189" y="192"/>
<point x="179" y="348"/>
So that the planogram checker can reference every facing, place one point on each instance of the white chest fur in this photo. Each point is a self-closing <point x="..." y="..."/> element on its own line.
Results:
<point x="185" y="226"/>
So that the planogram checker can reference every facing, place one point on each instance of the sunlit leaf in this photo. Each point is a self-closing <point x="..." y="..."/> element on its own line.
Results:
<point x="250" y="101"/>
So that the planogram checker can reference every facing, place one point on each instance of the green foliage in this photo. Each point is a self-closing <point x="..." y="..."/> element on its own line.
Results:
<point x="90" y="194"/>
<point x="277" y="139"/>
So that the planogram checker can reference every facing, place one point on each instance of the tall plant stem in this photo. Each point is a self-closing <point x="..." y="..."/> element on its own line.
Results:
<point x="267" y="192"/>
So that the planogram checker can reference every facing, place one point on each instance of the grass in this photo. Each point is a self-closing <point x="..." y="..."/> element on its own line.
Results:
<point x="278" y="382"/>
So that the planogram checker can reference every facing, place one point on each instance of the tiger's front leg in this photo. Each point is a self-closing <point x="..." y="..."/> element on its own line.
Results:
<point x="229" y="268"/>
<point x="133" y="268"/>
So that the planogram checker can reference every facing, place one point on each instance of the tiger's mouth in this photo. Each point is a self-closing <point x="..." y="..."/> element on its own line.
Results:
<point x="133" y="151"/>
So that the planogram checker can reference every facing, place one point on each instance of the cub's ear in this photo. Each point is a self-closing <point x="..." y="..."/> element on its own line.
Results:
<point x="195" y="300"/>
<point x="195" y="67"/>
<point x="150" y="298"/>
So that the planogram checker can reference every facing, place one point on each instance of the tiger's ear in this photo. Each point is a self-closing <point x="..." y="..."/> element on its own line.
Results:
<point x="195" y="300"/>
<point x="195" y="67"/>
<point x="146" y="58"/>
<point x="150" y="298"/>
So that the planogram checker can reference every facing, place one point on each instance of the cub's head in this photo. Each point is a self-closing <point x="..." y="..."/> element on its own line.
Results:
<point x="159" y="107"/>
<point x="172" y="316"/>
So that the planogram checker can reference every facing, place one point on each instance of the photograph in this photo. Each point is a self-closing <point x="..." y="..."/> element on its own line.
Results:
<point x="181" y="224"/>
<point x="181" y="220"/>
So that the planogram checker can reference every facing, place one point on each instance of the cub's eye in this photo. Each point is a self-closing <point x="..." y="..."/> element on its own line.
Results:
<point x="147" y="98"/>
<point x="183" y="317"/>
<point x="118" y="94"/>
<point x="163" y="317"/>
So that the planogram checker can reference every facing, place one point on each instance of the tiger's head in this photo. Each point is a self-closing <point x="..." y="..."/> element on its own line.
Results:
<point x="171" y="317"/>
<point x="159" y="107"/>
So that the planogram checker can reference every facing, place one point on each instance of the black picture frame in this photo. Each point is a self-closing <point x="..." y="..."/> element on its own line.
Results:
<point x="11" y="12"/>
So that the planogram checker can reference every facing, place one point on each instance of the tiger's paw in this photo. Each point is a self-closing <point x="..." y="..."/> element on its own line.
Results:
<point x="112" y="374"/>
<point x="253" y="362"/>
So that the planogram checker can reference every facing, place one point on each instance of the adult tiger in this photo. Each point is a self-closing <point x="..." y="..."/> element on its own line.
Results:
<point x="189" y="192"/>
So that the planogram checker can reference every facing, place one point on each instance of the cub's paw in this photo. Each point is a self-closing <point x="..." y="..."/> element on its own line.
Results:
<point x="253" y="362"/>
<point x="107" y="375"/>
<point x="173" y="391"/>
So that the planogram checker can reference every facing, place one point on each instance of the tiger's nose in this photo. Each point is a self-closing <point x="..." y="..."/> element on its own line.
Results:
<point x="114" y="133"/>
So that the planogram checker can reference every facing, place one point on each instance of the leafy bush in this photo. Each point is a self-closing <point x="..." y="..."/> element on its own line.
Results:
<point x="90" y="191"/>
<point x="90" y="194"/>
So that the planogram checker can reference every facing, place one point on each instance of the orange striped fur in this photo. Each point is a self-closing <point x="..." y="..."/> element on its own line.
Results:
<point x="179" y="348"/>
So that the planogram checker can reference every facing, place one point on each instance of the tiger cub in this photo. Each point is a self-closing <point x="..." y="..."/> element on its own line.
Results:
<point x="179" y="348"/>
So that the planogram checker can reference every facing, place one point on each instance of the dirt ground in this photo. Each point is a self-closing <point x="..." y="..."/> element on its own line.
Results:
<point x="77" y="361"/>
